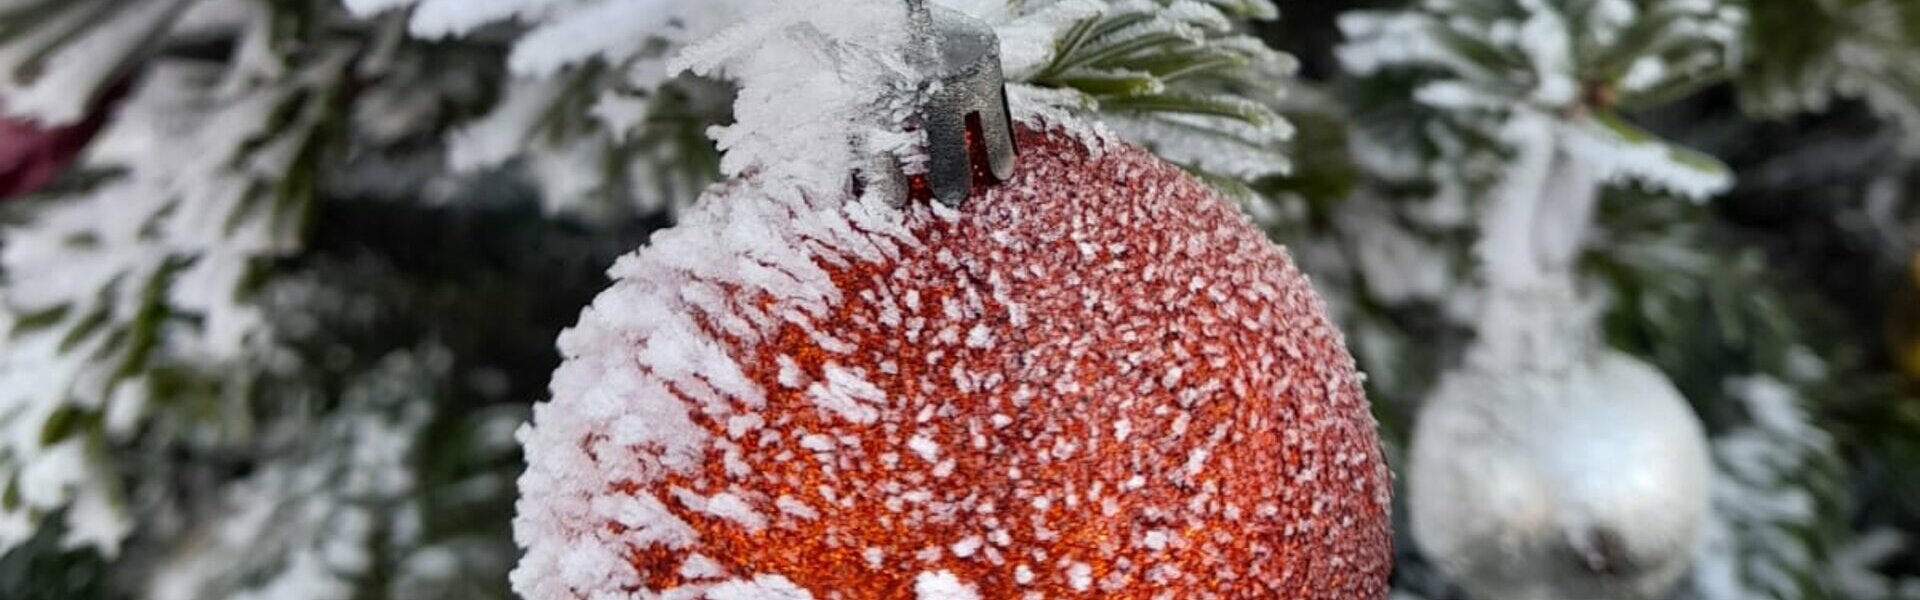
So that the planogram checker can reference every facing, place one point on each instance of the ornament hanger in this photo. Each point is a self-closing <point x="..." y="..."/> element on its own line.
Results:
<point x="967" y="101"/>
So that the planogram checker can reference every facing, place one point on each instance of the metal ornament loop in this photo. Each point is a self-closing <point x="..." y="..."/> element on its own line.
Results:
<point x="967" y="102"/>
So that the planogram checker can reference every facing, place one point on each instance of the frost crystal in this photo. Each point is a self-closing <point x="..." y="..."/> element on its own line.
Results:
<point x="942" y="585"/>
<point x="820" y="90"/>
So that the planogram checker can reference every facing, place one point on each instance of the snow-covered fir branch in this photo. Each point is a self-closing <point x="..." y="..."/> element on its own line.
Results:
<point x="590" y="113"/>
<point x="311" y="523"/>
<point x="1825" y="51"/>
<point x="132" y="292"/>
<point x="1540" y="81"/>
<point x="1764" y="508"/>
<point x="139" y="281"/>
<point x="1519" y="102"/>
<point x="602" y="123"/>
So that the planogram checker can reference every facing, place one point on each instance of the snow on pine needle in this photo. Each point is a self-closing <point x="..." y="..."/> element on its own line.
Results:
<point x="1181" y="79"/>
<point x="57" y="51"/>
<point x="1547" y="76"/>
<point x="591" y="113"/>
<point x="1766" y="512"/>
<point x="313" y="523"/>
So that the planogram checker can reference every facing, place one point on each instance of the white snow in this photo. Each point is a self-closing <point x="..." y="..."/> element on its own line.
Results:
<point x="814" y="80"/>
<point x="503" y="132"/>
<point x="966" y="547"/>
<point x="925" y="447"/>
<point x="754" y="242"/>
<point x="1079" y="576"/>
<point x="848" y="394"/>
<point x="73" y="70"/>
<point x="304" y="527"/>
<point x="762" y="587"/>
<point x="1619" y="159"/>
<point x="441" y="18"/>
<point x="574" y="33"/>
<point x="736" y="509"/>
<point x="1755" y="502"/>
<point x="1246" y="152"/>
<point x="1027" y="33"/>
<point x="791" y="506"/>
<point x="1545" y="39"/>
<point x="942" y="585"/>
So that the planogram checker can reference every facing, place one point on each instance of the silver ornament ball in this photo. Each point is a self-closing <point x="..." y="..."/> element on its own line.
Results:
<point x="1582" y="481"/>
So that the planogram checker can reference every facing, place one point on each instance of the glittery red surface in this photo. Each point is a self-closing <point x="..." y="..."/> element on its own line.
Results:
<point x="1132" y="392"/>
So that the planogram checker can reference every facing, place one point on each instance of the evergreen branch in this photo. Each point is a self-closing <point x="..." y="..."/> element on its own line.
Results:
<point x="1153" y="68"/>
<point x="1675" y="89"/>
<point x="169" y="248"/>
<point x="1807" y="53"/>
<point x="1077" y="38"/>
<point x="71" y="51"/>
<point x="1221" y="106"/>
<point x="1650" y="35"/>
<point x="1159" y="53"/>
<point x="1115" y="83"/>
<point x="1567" y="72"/>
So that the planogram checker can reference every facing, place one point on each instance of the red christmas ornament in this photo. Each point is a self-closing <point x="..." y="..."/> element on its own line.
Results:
<point x="32" y="154"/>
<point x="1095" y="380"/>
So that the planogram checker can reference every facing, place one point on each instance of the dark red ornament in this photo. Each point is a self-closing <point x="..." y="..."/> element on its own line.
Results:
<point x="32" y="154"/>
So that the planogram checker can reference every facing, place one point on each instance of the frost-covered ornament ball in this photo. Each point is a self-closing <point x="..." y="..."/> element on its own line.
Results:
<point x="1564" y="471"/>
<point x="1094" y="380"/>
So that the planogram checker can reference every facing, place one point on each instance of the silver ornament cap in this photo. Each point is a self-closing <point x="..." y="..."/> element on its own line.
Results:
<point x="966" y="105"/>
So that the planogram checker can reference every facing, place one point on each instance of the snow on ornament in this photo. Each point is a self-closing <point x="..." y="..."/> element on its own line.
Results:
<point x="1550" y="468"/>
<point x="1097" y="378"/>
<point x="1093" y="379"/>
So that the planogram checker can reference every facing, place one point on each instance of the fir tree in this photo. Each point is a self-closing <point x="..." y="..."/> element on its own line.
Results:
<point x="271" y="335"/>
